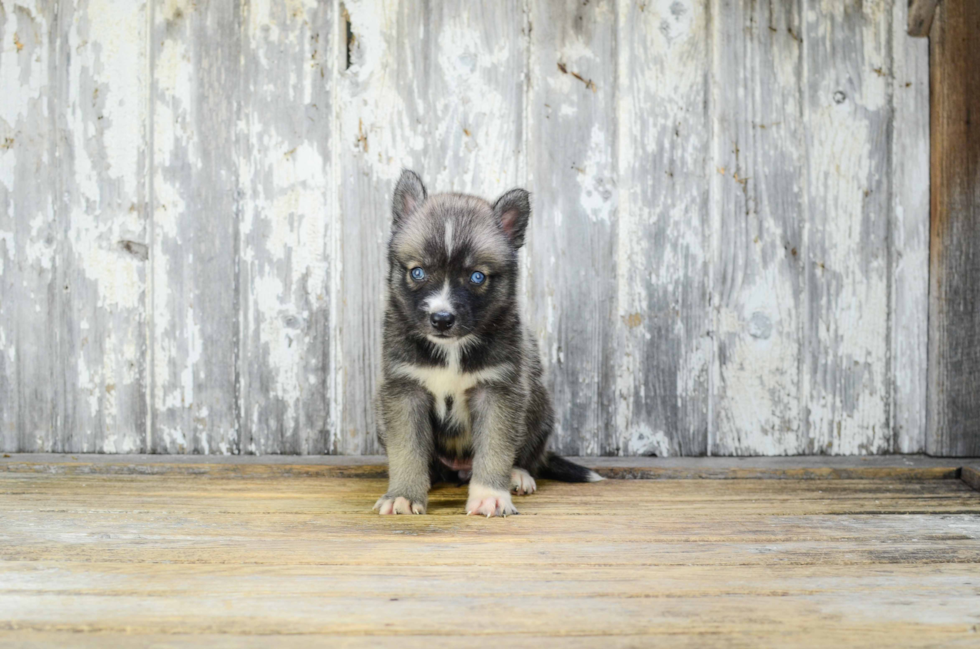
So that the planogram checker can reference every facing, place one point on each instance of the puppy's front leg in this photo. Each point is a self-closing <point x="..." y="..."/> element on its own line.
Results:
<point x="407" y="435"/>
<point x="495" y="421"/>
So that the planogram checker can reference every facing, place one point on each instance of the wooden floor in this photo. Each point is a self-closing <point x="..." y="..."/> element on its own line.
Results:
<point x="223" y="558"/>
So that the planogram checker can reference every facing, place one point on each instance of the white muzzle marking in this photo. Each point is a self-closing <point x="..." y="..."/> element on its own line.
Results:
<point x="440" y="301"/>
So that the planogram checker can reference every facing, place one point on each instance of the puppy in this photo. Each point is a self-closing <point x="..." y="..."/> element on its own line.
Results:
<point x="462" y="397"/>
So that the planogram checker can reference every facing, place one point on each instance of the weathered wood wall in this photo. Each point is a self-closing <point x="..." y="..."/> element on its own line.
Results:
<point x="729" y="251"/>
<point x="954" y="299"/>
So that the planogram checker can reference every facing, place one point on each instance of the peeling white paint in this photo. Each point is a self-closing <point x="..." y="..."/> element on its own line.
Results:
<point x="598" y="195"/>
<point x="6" y="249"/>
<point x="171" y="72"/>
<point x="39" y="247"/>
<point x="454" y="93"/>
<point x="848" y="301"/>
<point x="101" y="260"/>
<point x="285" y="236"/>
<point x="117" y="26"/>
<point x="642" y="440"/>
<point x="23" y="67"/>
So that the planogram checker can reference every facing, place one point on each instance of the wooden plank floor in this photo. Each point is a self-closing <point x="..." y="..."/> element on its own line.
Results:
<point x="221" y="559"/>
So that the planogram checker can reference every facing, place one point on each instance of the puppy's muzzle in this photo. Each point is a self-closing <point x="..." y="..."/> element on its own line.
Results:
<point x="442" y="320"/>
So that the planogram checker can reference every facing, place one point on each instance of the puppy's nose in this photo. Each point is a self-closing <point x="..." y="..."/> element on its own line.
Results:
<point x="442" y="320"/>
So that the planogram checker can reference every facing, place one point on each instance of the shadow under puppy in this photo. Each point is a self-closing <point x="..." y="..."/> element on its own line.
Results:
<point x="462" y="397"/>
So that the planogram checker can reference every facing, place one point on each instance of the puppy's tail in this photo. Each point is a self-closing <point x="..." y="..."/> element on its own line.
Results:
<point x="556" y="467"/>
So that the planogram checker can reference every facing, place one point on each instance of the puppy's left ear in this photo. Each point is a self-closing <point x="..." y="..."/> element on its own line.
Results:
<point x="512" y="211"/>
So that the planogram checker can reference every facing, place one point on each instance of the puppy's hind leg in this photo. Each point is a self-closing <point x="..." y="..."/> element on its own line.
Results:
<point x="404" y="410"/>
<point x="521" y="482"/>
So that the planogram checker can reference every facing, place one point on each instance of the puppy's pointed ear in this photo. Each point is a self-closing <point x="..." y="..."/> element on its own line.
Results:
<point x="409" y="194"/>
<point x="512" y="211"/>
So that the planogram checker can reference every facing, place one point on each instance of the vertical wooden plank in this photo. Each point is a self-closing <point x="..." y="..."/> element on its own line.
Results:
<point x="286" y="178"/>
<point x="664" y="143"/>
<point x="919" y="16"/>
<point x="437" y="87"/>
<point x="954" y="291"/>
<point x="757" y="213"/>
<point x="909" y="234"/>
<point x="196" y="50"/>
<point x="31" y="392"/>
<point x="571" y="283"/>
<point x="848" y="65"/>
<point x="101" y="90"/>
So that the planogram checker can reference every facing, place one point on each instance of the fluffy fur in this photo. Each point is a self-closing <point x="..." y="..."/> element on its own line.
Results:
<point x="462" y="398"/>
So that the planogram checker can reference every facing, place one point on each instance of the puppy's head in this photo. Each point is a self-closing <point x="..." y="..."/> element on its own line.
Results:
<point x="453" y="258"/>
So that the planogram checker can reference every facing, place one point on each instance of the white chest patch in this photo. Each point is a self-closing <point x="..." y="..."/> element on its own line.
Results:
<point x="449" y="380"/>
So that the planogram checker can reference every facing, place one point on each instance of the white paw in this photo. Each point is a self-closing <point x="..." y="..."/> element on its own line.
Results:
<point x="398" y="505"/>
<point x="488" y="502"/>
<point x="521" y="482"/>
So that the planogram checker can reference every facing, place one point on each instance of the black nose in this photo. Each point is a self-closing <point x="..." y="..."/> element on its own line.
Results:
<point x="442" y="321"/>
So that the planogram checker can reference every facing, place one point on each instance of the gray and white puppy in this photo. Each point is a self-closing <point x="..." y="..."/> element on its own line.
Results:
<point x="462" y="396"/>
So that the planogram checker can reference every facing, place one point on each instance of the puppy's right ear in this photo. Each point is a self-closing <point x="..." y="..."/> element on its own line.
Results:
<point x="409" y="194"/>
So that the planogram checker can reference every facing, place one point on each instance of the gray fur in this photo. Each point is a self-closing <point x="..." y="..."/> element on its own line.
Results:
<point x="409" y="194"/>
<point x="512" y="211"/>
<point x="470" y="397"/>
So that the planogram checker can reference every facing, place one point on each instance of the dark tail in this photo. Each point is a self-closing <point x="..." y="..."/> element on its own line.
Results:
<point x="556" y="467"/>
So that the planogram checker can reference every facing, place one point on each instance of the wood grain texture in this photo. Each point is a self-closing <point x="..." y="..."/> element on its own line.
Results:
<point x="868" y="637"/>
<point x="437" y="88"/>
<point x="664" y="136"/>
<point x="288" y="222"/>
<point x="847" y="110"/>
<point x="571" y="250"/>
<point x="31" y="241"/>
<point x="954" y="294"/>
<point x="73" y="268"/>
<point x="971" y="476"/>
<point x="727" y="255"/>
<point x="194" y="331"/>
<point x="909" y="236"/>
<point x="881" y="467"/>
<point x="920" y="16"/>
<point x="758" y="215"/>
<point x="208" y="559"/>
<point x="101" y="126"/>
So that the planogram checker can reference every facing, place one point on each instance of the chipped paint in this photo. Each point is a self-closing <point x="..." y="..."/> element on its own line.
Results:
<point x="209" y="229"/>
<point x="662" y="383"/>
<point x="642" y="440"/>
<point x="756" y="211"/>
<point x="909" y="280"/>
<point x="847" y="276"/>
<point x="598" y="193"/>
<point x="285" y="267"/>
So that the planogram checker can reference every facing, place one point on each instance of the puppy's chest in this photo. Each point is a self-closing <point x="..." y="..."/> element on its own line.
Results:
<point x="448" y="387"/>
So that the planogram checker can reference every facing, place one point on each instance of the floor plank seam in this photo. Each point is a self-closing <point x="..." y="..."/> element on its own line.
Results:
<point x="971" y="476"/>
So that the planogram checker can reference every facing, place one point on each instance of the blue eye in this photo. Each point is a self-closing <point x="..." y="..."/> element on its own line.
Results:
<point x="477" y="277"/>
<point x="418" y="274"/>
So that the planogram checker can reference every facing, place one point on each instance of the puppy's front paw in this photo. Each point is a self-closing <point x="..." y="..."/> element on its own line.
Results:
<point x="398" y="505"/>
<point x="521" y="482"/>
<point x="485" y="501"/>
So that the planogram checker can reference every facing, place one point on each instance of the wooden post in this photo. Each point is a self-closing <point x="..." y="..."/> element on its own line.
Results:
<point x="920" y="16"/>
<point x="954" y="294"/>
